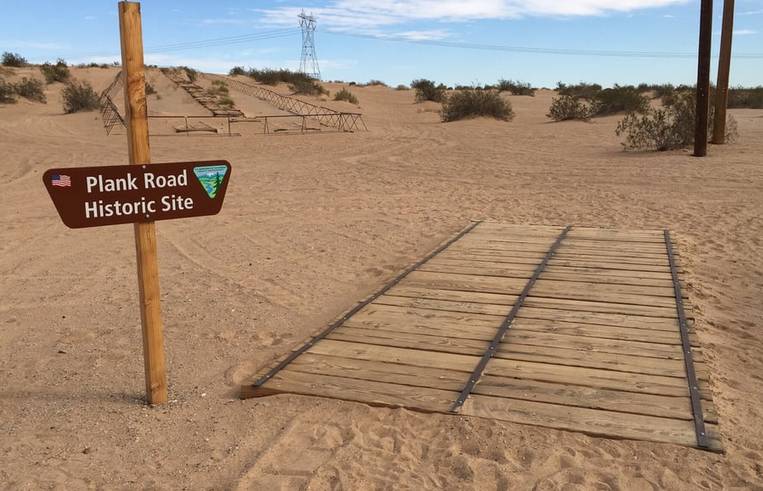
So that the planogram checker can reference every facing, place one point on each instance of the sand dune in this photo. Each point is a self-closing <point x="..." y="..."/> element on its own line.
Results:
<point x="311" y="224"/>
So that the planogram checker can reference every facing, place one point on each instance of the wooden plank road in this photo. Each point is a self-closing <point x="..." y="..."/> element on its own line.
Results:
<point x="570" y="328"/>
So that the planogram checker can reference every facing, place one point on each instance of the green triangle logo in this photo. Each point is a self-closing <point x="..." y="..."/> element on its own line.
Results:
<point x="211" y="178"/>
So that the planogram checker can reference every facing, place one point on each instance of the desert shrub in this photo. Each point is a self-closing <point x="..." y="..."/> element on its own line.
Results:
<point x="150" y="89"/>
<point x="219" y="87"/>
<point x="30" y="88"/>
<point x="7" y="92"/>
<point x="515" y="87"/>
<point x="307" y="87"/>
<point x="667" y="128"/>
<point x="226" y="102"/>
<point x="402" y="87"/>
<point x="192" y="74"/>
<point x="567" y="107"/>
<point x="618" y="99"/>
<point x="79" y="96"/>
<point x="55" y="73"/>
<point x="346" y="95"/>
<point x="746" y="97"/>
<point x="13" y="59"/>
<point x="426" y="90"/>
<point x="374" y="82"/>
<point x="270" y="76"/>
<point x="582" y="90"/>
<point x="237" y="70"/>
<point x="473" y="103"/>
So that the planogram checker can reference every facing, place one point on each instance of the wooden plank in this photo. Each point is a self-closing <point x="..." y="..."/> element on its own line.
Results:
<point x="664" y="296"/>
<point x="593" y="359"/>
<point x="610" y="424"/>
<point x="600" y="307"/>
<point x="614" y="332"/>
<point x="593" y="377"/>
<point x="347" y="389"/>
<point x="551" y="313"/>
<point x="549" y="338"/>
<point x="379" y="337"/>
<point x="417" y="358"/>
<point x="596" y="263"/>
<point x="444" y="305"/>
<point x="449" y="320"/>
<point x="487" y="269"/>
<point x="593" y="398"/>
<point x="452" y="295"/>
<point x="434" y="378"/>
<point x="447" y="281"/>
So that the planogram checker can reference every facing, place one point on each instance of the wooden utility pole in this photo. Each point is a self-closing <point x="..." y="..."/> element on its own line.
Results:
<point x="131" y="34"/>
<point x="724" y="66"/>
<point x="703" y="77"/>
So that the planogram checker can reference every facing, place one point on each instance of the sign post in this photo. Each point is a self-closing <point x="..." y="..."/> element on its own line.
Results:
<point x="131" y="38"/>
<point x="139" y="193"/>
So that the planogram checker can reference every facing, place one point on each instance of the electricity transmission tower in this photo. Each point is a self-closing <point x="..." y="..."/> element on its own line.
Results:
<point x="308" y="63"/>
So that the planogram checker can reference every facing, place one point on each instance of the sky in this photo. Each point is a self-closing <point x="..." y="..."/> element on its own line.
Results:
<point x="397" y="41"/>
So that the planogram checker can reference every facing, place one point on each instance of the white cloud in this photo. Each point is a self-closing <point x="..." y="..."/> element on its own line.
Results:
<point x="752" y="12"/>
<point x="365" y="14"/>
<point x="744" y="32"/>
<point x="18" y="44"/>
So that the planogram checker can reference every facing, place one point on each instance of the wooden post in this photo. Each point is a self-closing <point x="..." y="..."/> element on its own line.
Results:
<point x="145" y="233"/>
<point x="703" y="78"/>
<point x="724" y="66"/>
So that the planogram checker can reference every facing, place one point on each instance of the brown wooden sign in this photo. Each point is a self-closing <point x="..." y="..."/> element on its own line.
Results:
<point x="110" y="195"/>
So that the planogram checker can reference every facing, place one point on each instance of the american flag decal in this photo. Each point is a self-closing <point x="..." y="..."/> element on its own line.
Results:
<point x="61" y="180"/>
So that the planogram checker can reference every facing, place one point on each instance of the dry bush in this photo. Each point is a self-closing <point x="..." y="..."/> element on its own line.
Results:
<point x="7" y="93"/>
<point x="219" y="88"/>
<point x="582" y="90"/>
<point x="79" y="96"/>
<point x="667" y="128"/>
<point x="567" y="108"/>
<point x="13" y="59"/>
<point x="55" y="73"/>
<point x="346" y="95"/>
<point x="150" y="89"/>
<point x="190" y="73"/>
<point x="30" y="88"/>
<point x="269" y="76"/>
<point x="307" y="86"/>
<point x="619" y="99"/>
<point x="374" y="82"/>
<point x="751" y="98"/>
<point x="515" y="87"/>
<point x="474" y="103"/>
<point x="402" y="87"/>
<point x="237" y="70"/>
<point x="426" y="90"/>
<point x="226" y="102"/>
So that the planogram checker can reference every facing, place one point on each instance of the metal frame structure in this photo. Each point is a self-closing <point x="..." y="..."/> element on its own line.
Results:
<point x="343" y="121"/>
<point x="308" y="63"/>
<point x="476" y="375"/>
<point x="691" y="376"/>
<point x="109" y="111"/>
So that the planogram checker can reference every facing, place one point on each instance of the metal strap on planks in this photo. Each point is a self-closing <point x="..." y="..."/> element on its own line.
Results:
<point x="691" y="376"/>
<point x="506" y="324"/>
<point x="294" y="354"/>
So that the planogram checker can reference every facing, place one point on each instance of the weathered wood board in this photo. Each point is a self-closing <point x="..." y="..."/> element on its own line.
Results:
<point x="595" y="347"/>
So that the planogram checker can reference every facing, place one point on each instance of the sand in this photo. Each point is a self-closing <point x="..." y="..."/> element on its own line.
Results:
<point x="311" y="224"/>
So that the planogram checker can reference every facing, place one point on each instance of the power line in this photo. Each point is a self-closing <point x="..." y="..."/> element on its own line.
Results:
<point x="532" y="50"/>
<point x="224" y="41"/>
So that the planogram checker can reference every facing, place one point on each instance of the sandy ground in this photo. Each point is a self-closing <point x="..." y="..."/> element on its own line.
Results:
<point x="311" y="224"/>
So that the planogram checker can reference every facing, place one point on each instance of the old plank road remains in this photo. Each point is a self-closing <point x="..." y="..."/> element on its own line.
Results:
<point x="579" y="329"/>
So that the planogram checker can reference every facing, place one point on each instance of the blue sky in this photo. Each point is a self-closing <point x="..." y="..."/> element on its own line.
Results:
<point x="386" y="39"/>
